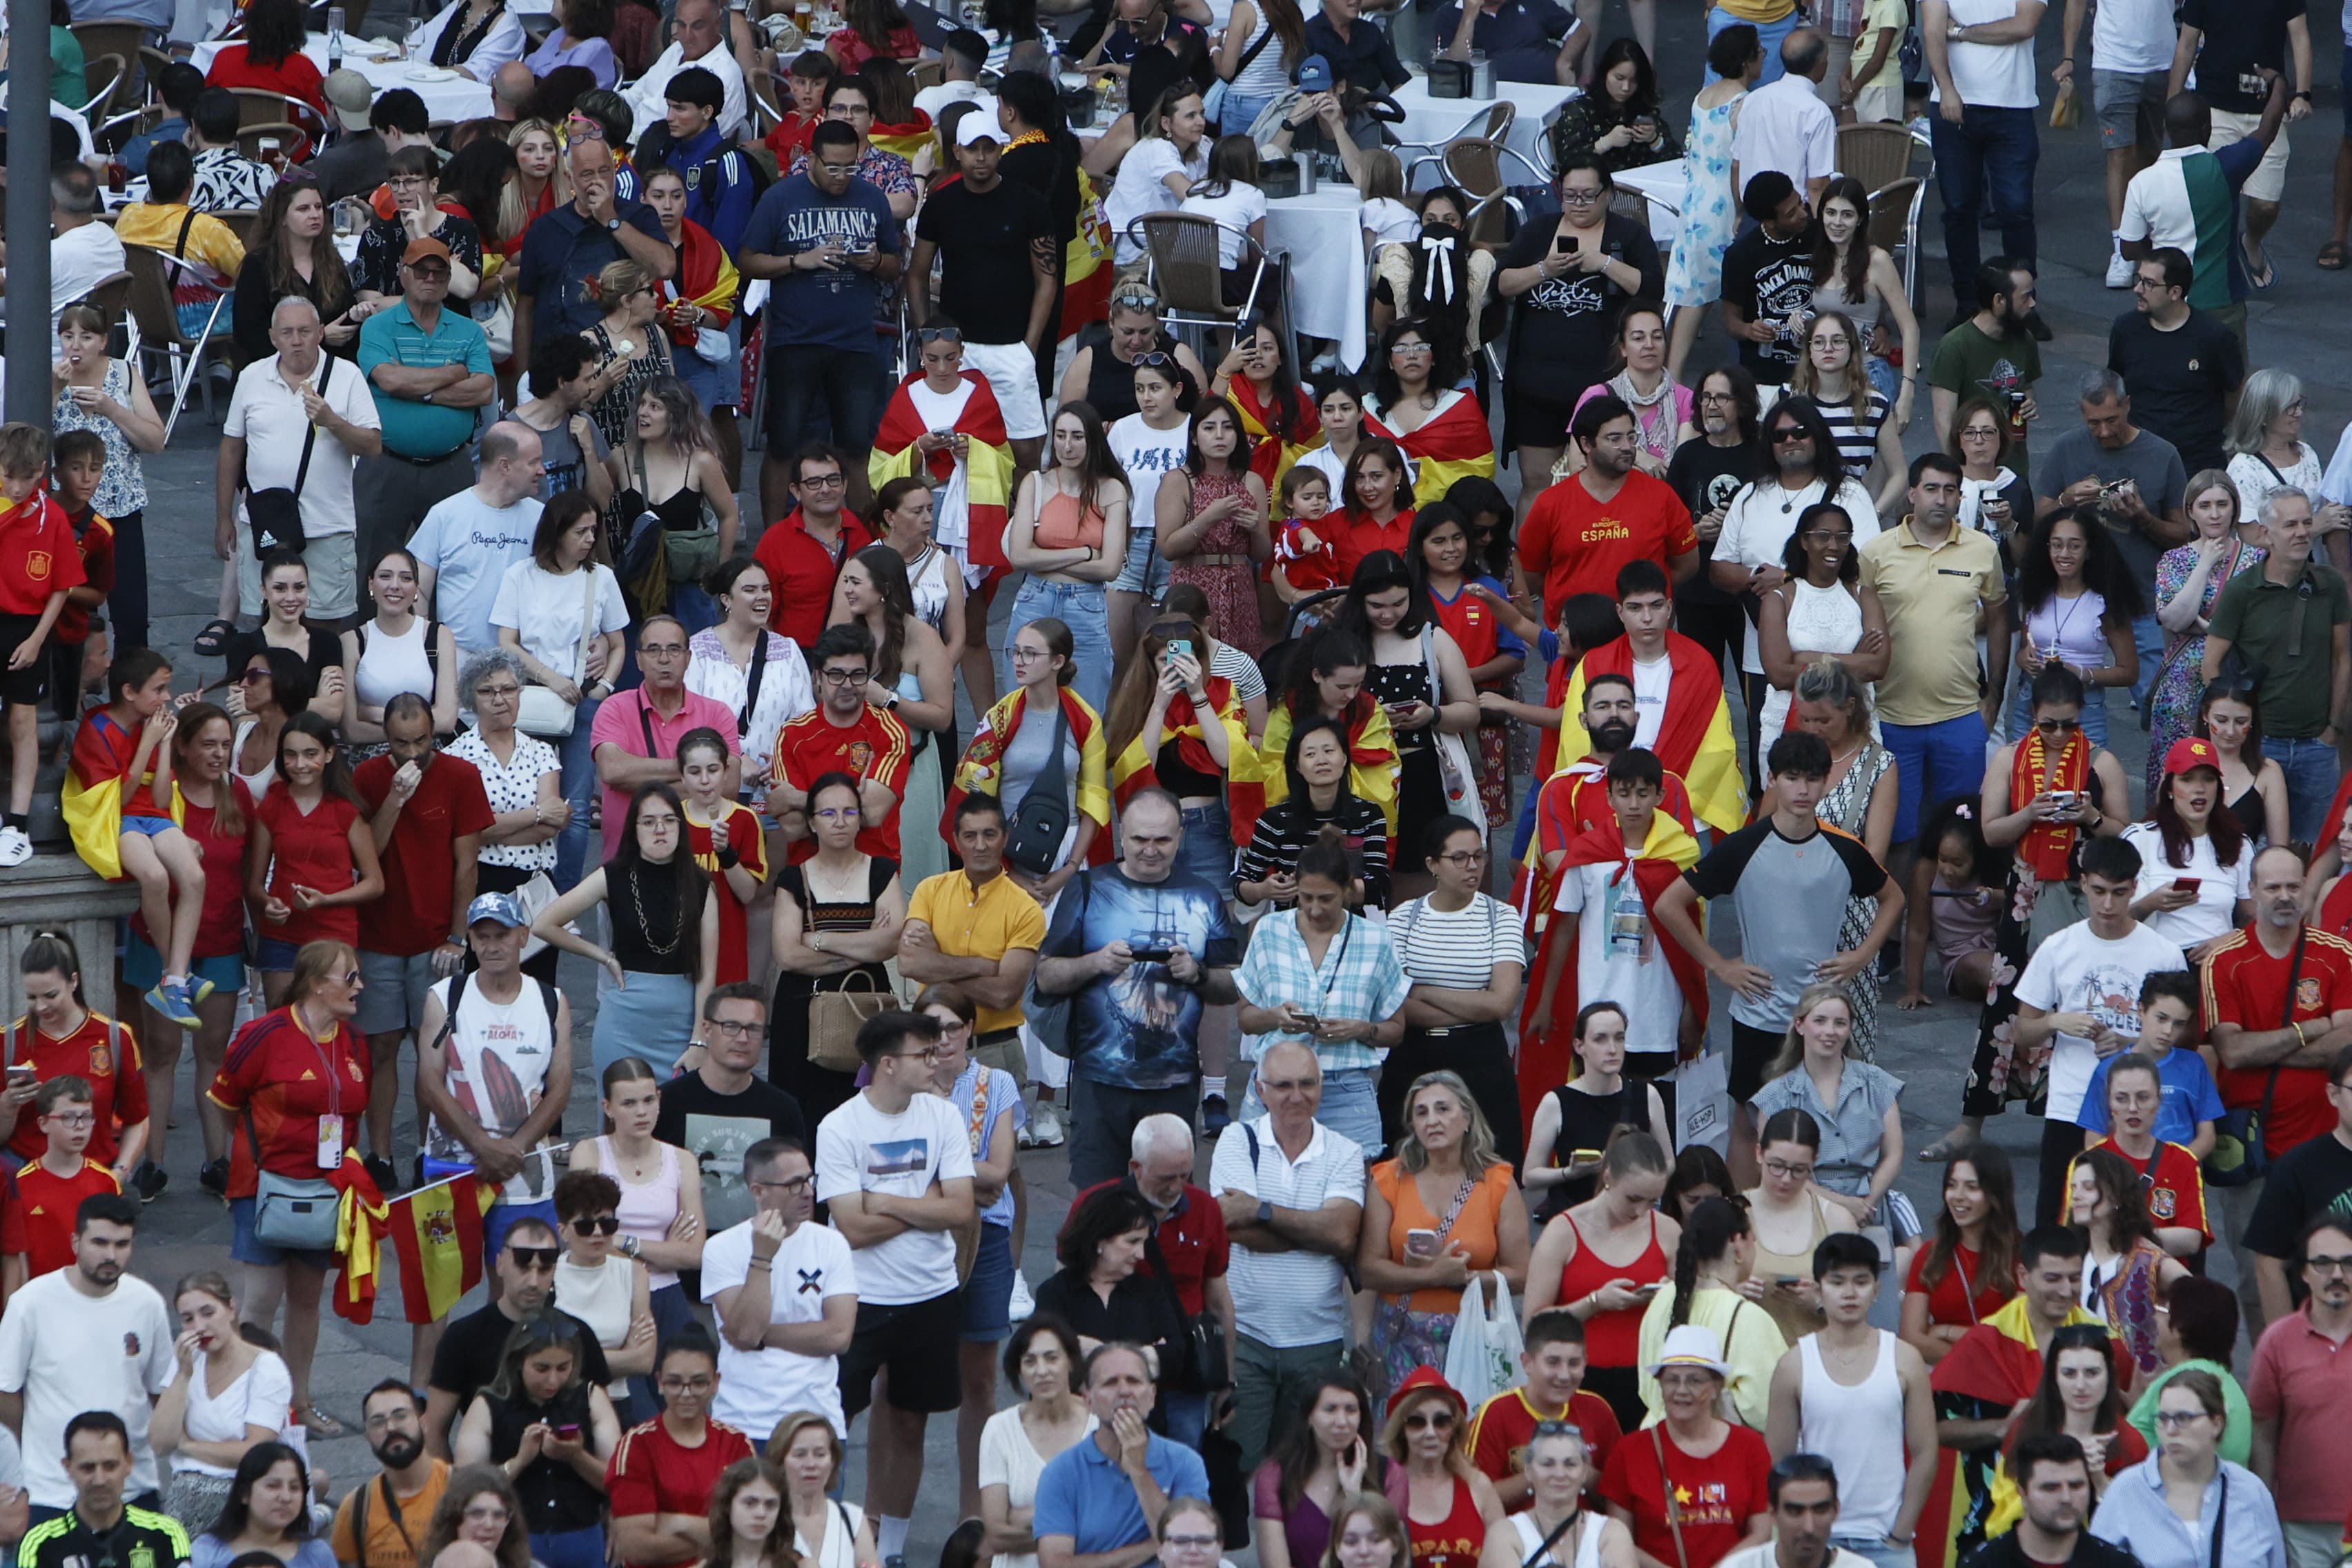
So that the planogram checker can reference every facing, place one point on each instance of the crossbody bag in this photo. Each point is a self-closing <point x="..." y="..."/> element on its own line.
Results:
<point x="543" y="711"/>
<point x="274" y="515"/>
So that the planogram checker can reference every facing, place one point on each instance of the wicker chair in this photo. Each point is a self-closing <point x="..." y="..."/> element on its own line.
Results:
<point x="1876" y="154"/>
<point x="160" y="333"/>
<point x="1188" y="272"/>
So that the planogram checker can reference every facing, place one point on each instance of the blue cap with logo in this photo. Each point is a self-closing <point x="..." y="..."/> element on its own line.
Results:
<point x="503" y="908"/>
<point x="1315" y="74"/>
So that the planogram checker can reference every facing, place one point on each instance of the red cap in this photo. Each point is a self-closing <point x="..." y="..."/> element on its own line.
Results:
<point x="1427" y="1379"/>
<point x="2191" y="752"/>
<point x="419" y="250"/>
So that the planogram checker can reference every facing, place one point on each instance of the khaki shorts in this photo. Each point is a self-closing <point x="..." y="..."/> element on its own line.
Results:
<point x="333" y="560"/>
<point x="2269" y="179"/>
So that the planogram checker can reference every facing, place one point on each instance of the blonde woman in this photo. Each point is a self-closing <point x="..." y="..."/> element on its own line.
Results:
<point x="1448" y="1504"/>
<point x="825" y="1533"/>
<point x="629" y="348"/>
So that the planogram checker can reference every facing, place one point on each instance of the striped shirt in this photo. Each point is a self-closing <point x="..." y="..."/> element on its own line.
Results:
<point x="1288" y="827"/>
<point x="1457" y="950"/>
<point x="1360" y="977"/>
<point x="1285" y="1300"/>
<point x="1856" y="434"/>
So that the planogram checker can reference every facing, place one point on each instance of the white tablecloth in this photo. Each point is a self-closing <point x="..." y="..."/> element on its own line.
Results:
<point x="452" y="100"/>
<point x="1663" y="184"/>
<point x="1325" y="242"/>
<point x="1435" y="120"/>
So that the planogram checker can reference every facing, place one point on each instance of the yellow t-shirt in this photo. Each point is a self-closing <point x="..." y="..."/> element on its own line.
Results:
<point x="214" y="252"/>
<point x="1877" y="14"/>
<point x="1756" y="12"/>
<point x="393" y="1534"/>
<point x="987" y="921"/>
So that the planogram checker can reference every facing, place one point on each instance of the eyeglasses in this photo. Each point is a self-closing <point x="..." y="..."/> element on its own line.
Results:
<point x="401" y="182"/>
<point x="1580" y="198"/>
<point x="596" y="1225"/>
<point x="838" y="814"/>
<point x="921" y="1054"/>
<point x="661" y="650"/>
<point x="821" y="482"/>
<point x="1193" y="1542"/>
<point x="789" y="1184"/>
<point x="2174" y="1420"/>
<point x="1135" y="299"/>
<point x="532" y="1256"/>
<point x="2146" y="282"/>
<point x="1788" y="433"/>
<point x="2321" y="1265"/>
<point x="702" y="1384"/>
<point x="72" y="1118"/>
<point x="1156" y="358"/>
<point x="1465" y="858"/>
<point x="1786" y="1171"/>
<point x="1717" y="397"/>
<point x="1411" y="349"/>
<point x="1829" y="534"/>
<point x="938" y="335"/>
<point x="839" y="171"/>
<point x="250" y="675"/>
<point x="1558" y="1430"/>
<point x="487" y="1513"/>
<point x="738" y="1030"/>
<point x="1029" y="655"/>
<point x="503" y="689"/>
<point x="844" y="676"/>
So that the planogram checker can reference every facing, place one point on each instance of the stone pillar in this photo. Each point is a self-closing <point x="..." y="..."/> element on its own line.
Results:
<point x="57" y="892"/>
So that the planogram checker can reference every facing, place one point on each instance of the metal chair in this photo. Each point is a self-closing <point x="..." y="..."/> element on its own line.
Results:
<point x="160" y="333"/>
<point x="1493" y="125"/>
<point x="1877" y="154"/>
<point x="927" y="73"/>
<point x="1492" y="222"/>
<point x="1895" y="226"/>
<point x="110" y="136"/>
<point x="124" y="39"/>
<point x="1188" y="272"/>
<point x="106" y="77"/>
<point x="1478" y="165"/>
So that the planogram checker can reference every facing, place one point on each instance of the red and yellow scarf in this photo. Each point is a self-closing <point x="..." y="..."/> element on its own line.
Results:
<point x="1275" y="451"/>
<point x="2048" y="846"/>
<point x="1137" y="767"/>
<point x="706" y="278"/>
<point x="980" y="769"/>
<point x="988" y="467"/>
<point x="1456" y="444"/>
<point x="1371" y="766"/>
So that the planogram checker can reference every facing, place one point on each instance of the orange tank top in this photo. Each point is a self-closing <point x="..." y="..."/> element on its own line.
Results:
<point x="1611" y="1339"/>
<point x="1061" y="525"/>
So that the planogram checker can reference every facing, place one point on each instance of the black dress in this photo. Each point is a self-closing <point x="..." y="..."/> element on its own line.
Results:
<point x="555" y="1496"/>
<point x="1421" y="795"/>
<point x="1140" y="1310"/>
<point x="1585" y="1123"/>
<point x="819" y="1089"/>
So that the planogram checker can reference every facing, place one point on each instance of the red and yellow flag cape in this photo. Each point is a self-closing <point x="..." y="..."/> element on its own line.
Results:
<point x="705" y="278"/>
<point x="1695" y="739"/>
<point x="988" y="468"/>
<point x="981" y="768"/>
<point x="1271" y="458"/>
<point x="1137" y="767"/>
<point x="1455" y="445"/>
<point x="1371" y="767"/>
<point x="436" y="1232"/>
<point x="906" y="138"/>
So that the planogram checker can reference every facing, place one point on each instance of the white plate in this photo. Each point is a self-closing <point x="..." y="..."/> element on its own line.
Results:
<point x="431" y="73"/>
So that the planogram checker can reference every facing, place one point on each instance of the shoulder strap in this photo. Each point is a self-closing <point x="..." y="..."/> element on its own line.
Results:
<point x="752" y="684"/>
<point x="645" y="723"/>
<point x="1674" y="1509"/>
<point x="587" y="621"/>
<point x="1240" y="65"/>
<point x="359" y="1525"/>
<point x="550" y="998"/>
<point x="2221" y="1518"/>
<point x="449" y="1019"/>
<point x="391" y="1506"/>
<point x="1543" y="1547"/>
<point x="433" y="650"/>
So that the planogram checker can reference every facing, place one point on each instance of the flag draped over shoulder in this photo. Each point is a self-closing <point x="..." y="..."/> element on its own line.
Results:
<point x="1695" y="738"/>
<point x="1137" y="767"/>
<point x="1371" y="767"/>
<point x="1455" y="445"/>
<point x="436" y="1232"/>
<point x="1547" y="1058"/>
<point x="981" y="771"/>
<point x="1273" y="452"/>
<point x="970" y="521"/>
<point x="706" y="278"/>
<point x="907" y="138"/>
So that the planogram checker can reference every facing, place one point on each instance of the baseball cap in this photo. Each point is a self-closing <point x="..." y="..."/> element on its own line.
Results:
<point x="418" y="249"/>
<point x="1315" y="74"/>
<point x="2191" y="752"/>
<point x="979" y="125"/>
<point x="348" y="94"/>
<point x="499" y="906"/>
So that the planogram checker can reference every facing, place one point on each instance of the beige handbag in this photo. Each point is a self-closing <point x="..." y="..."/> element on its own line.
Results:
<point x="835" y="1018"/>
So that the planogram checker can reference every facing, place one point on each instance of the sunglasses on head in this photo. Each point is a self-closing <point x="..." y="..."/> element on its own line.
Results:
<point x="1157" y="358"/>
<point x="938" y="335"/>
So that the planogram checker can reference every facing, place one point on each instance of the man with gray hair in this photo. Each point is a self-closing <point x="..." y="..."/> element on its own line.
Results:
<point x="1291" y="1190"/>
<point x="296" y="414"/>
<point x="1784" y="125"/>
<point x="85" y="250"/>
<point x="2294" y="621"/>
<point x="1190" y="1250"/>
<point x="2138" y="485"/>
<point x="1142" y="948"/>
<point x="468" y="542"/>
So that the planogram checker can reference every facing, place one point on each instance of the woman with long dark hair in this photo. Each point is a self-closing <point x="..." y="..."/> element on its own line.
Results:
<point x="837" y="914"/>
<point x="872" y="29"/>
<point x="1792" y="1215"/>
<point x="58" y="1034"/>
<point x="271" y="58"/>
<point x="1578" y="1118"/>
<point x="2126" y="1272"/>
<point x="1420" y="678"/>
<point x="1264" y="42"/>
<point x="287" y="622"/>
<point x="1714" y="1287"/>
<point x="913" y="676"/>
<point x="1372" y="506"/>
<point x="1858" y="280"/>
<point x="1819" y="610"/>
<point x="1435" y="275"/>
<point x="672" y="462"/>
<point x="264" y="689"/>
<point x="2076" y="600"/>
<point x="761" y="677"/>
<point x="2079" y="1395"/>
<point x="2254" y="786"/>
<point x="266" y="1510"/>
<point x="472" y="38"/>
<point x="1663" y="410"/>
<point x="396" y="651"/>
<point x="1101" y="1290"/>
<point x="1832" y="373"/>
<point x="294" y="256"/>
<point x="2196" y="878"/>
<point x="1211" y="516"/>
<point x="661" y="1220"/>
<point x="554" y="1430"/>
<point x="1618" y="120"/>
<point x="664" y="924"/>
<point x="1325" y="1456"/>
<point x="749" y="1526"/>
<point x="1326" y="680"/>
<point x="1339" y="416"/>
<point x="1419" y="403"/>
<point x="1173" y="724"/>
<point x="1605" y="1258"/>
<point x="1969" y="1269"/>
<point x="1444" y="569"/>
<point x="1316" y="775"/>
<point x="310" y="859"/>
<point x="229" y="1398"/>
<point x="1277" y="416"/>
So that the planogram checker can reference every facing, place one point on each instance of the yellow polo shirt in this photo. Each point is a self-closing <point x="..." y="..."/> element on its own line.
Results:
<point x="987" y="921"/>
<point x="1931" y="598"/>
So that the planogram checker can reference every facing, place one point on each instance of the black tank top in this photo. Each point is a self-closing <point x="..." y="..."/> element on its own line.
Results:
<point x="1110" y="380"/>
<point x="1585" y="1123"/>
<point x="649" y="933"/>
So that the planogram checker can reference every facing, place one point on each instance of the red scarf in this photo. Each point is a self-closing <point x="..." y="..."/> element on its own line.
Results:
<point x="2048" y="846"/>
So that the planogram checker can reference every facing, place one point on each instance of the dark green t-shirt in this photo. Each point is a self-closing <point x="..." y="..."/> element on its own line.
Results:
<point x="1968" y="363"/>
<point x="2258" y="618"/>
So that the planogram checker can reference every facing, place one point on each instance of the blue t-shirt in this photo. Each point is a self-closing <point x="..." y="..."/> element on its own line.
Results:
<point x="2187" y="1098"/>
<point x="1083" y="1494"/>
<point x="561" y="251"/>
<point x="1142" y="1030"/>
<point x="469" y="545"/>
<point x="833" y="307"/>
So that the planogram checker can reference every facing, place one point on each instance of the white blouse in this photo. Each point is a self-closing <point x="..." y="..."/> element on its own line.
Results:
<point x="785" y="693"/>
<point x="512" y="786"/>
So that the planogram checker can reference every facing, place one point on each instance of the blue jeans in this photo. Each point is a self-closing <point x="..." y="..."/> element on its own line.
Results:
<point x="1885" y="377"/>
<point x="1187" y="1415"/>
<point x="1239" y="114"/>
<point x="2312" y="775"/>
<point x="1207" y="851"/>
<point x="1084" y="608"/>
<point x="2148" y="638"/>
<point x="569" y="1548"/>
<point x="1770" y="35"/>
<point x="1932" y="763"/>
<point x="576" y="752"/>
<point x="1351" y="1105"/>
<point x="1984" y="168"/>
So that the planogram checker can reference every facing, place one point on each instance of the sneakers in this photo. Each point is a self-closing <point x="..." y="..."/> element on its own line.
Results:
<point x="2120" y="269"/>
<point x="149" y="1181"/>
<point x="1046" y="1130"/>
<point x="213" y="1176"/>
<point x="170" y="998"/>
<point x="15" y="847"/>
<point x="1216" y="1117"/>
<point x="1021" y="1304"/>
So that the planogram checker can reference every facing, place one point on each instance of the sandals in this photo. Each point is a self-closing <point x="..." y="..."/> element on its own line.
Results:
<point x="1943" y="1149"/>
<point x="317" y="1422"/>
<point x="212" y="641"/>
<point x="2332" y="256"/>
<point x="2262" y="278"/>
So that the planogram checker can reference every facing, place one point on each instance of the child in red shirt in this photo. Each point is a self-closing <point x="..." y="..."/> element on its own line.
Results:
<point x="77" y="660"/>
<point x="813" y="71"/>
<point x="725" y="838"/>
<point x="38" y="562"/>
<point x="1304" y="561"/>
<point x="36" y="1218"/>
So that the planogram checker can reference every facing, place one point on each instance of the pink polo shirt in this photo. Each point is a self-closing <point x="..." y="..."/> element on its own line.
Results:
<point x="626" y="721"/>
<point x="2314" y="1480"/>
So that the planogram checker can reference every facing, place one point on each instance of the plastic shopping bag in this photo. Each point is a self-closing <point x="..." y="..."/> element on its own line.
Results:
<point x="1483" y="1357"/>
<point x="1702" y="1103"/>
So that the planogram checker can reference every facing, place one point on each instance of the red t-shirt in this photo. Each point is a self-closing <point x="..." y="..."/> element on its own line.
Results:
<point x="220" y="929"/>
<point x="280" y="1080"/>
<point x="117" y="1083"/>
<point x="744" y="833"/>
<point x="102" y="749"/>
<point x="1470" y="623"/>
<point x="2173" y="1180"/>
<point x="788" y="138"/>
<point x="1719" y="1494"/>
<point x="39" y="556"/>
<point x="802" y="570"/>
<point x="312" y="850"/>
<point x="1356" y="534"/>
<point x="1505" y="1423"/>
<point x="2246" y="986"/>
<point x="1947" y="1303"/>
<point x="37" y="1217"/>
<point x="293" y="76"/>
<point x="812" y="745"/>
<point x="651" y="1473"/>
<point x="96" y="542"/>
<point x="1576" y="544"/>
<point x="1193" y="1240"/>
<point x="418" y="910"/>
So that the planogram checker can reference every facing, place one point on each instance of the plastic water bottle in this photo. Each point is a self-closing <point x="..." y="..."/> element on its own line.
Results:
<point x="334" y="39"/>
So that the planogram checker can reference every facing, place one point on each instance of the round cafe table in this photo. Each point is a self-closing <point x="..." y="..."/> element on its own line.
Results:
<point x="448" y="96"/>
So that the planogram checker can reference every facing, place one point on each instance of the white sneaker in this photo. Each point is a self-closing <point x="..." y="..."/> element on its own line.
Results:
<point x="1045" y="1128"/>
<point x="2120" y="270"/>
<point x="1020" y="1303"/>
<point x="16" y="848"/>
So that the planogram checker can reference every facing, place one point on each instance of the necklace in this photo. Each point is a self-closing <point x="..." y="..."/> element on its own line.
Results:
<point x="644" y="927"/>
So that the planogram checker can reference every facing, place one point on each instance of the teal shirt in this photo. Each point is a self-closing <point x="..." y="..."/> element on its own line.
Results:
<point x="390" y="336"/>
<point x="2236" y="1437"/>
<point x="69" y="79"/>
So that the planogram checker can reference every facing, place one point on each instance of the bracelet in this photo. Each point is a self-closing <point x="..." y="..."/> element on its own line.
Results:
<point x="2299" y="1038"/>
<point x="762" y="1262"/>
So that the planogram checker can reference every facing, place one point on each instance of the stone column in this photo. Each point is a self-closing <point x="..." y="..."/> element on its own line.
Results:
<point x="58" y="892"/>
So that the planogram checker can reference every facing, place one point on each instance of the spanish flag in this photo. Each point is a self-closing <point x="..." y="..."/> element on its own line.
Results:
<point x="436" y="1232"/>
<point x="1270" y="459"/>
<point x="1695" y="739"/>
<point x="1086" y="271"/>
<point x="1455" y="444"/>
<point x="981" y="768"/>
<point x="1136" y="767"/>
<point x="969" y="523"/>
<point x="1371" y="766"/>
<point x="907" y="138"/>
<point x="706" y="278"/>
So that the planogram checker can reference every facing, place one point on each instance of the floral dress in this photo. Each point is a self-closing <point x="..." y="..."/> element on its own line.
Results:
<point x="1695" y="276"/>
<point x="2172" y="698"/>
<point x="1846" y="808"/>
<point x="1230" y="589"/>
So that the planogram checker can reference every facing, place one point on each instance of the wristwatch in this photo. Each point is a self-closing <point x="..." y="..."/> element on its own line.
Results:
<point x="1265" y="1211"/>
<point x="613" y="224"/>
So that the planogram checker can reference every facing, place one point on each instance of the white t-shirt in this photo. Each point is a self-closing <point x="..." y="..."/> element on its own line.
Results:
<point x="1645" y="983"/>
<point x="261" y="1396"/>
<point x="1651" y="682"/>
<point x="2075" y="972"/>
<point x="1237" y="208"/>
<point x="1142" y="185"/>
<point x="468" y="544"/>
<point x="759" y="1388"/>
<point x="860" y="1148"/>
<point x="931" y="99"/>
<point x="1389" y="221"/>
<point x="1992" y="76"/>
<point x="67" y="1353"/>
<point x="1008" y="1459"/>
<point x="546" y="609"/>
<point x="2219" y="887"/>
<point x="1147" y="456"/>
<point x="2132" y="36"/>
<point x="265" y="413"/>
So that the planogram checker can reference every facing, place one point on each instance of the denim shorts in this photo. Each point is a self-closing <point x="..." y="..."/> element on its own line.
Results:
<point x="988" y="1294"/>
<point x="275" y="954"/>
<point x="149" y="826"/>
<point x="1207" y="851"/>
<point x="143" y="966"/>
<point x="247" y="1247"/>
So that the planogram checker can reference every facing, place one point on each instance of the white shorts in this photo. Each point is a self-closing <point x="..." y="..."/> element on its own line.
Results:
<point x="2269" y="179"/>
<point x="333" y="560"/>
<point x="1012" y="371"/>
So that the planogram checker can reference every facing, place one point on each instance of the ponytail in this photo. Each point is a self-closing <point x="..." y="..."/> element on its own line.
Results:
<point x="1708" y="1235"/>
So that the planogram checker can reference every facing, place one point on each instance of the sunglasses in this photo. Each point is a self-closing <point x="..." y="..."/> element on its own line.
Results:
<point x="533" y="1257"/>
<point x="1133" y="301"/>
<point x="597" y="1224"/>
<point x="938" y="335"/>
<point x="1789" y="434"/>
<point x="1156" y="358"/>
<point x="1430" y="1420"/>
